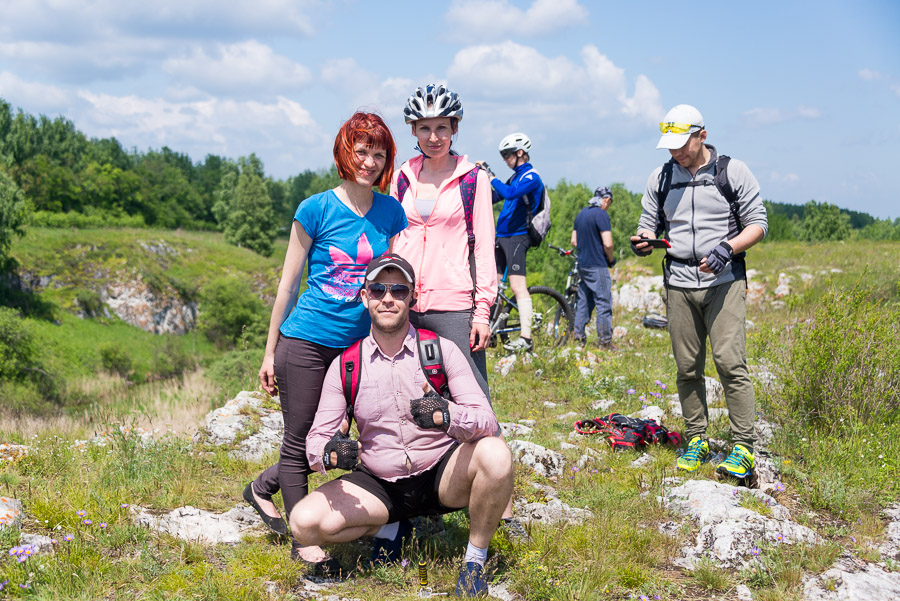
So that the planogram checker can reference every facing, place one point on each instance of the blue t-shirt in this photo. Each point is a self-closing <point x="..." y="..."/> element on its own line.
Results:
<point x="588" y="225"/>
<point x="513" y="218"/>
<point x="329" y="312"/>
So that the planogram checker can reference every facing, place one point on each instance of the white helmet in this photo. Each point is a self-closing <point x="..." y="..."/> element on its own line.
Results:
<point x="516" y="141"/>
<point x="433" y="101"/>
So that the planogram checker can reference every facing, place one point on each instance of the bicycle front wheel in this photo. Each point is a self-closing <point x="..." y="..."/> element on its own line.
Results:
<point x="552" y="322"/>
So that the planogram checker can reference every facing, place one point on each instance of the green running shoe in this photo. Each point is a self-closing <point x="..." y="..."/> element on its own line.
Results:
<point x="739" y="464"/>
<point x="697" y="453"/>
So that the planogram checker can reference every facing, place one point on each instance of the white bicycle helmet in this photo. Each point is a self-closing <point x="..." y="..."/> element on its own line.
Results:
<point x="433" y="100"/>
<point x="516" y="141"/>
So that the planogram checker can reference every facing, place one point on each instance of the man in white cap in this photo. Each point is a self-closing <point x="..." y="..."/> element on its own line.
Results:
<point x="710" y="207"/>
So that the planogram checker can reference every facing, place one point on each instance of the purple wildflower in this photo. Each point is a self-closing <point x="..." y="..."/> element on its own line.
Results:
<point x="103" y="524"/>
<point x="629" y="391"/>
<point x="779" y="486"/>
<point x="778" y="537"/>
<point x="574" y="468"/>
<point x="124" y="505"/>
<point x="657" y="382"/>
<point x="735" y="493"/>
<point x="853" y="538"/>
<point x="24" y="586"/>
<point x="404" y="563"/>
<point x="81" y="513"/>
<point x="68" y="537"/>
<point x="754" y="551"/>
<point x="86" y="522"/>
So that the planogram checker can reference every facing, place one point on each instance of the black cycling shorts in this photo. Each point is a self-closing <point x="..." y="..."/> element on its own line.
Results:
<point x="407" y="497"/>
<point x="510" y="253"/>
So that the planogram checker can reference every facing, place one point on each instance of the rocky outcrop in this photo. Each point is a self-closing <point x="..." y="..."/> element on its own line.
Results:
<point x="552" y="512"/>
<point x="137" y="304"/>
<point x="241" y="415"/>
<point x="729" y="532"/>
<point x="851" y="579"/>
<point x="641" y="293"/>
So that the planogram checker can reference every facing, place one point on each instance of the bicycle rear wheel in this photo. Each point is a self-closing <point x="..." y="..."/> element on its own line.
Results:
<point x="559" y="320"/>
<point x="552" y="322"/>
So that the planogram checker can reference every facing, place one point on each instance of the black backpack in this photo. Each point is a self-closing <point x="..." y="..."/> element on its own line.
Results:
<point x="720" y="180"/>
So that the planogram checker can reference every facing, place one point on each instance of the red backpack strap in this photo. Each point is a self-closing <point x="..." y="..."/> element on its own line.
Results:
<point x="351" y="361"/>
<point x="402" y="186"/>
<point x="432" y="362"/>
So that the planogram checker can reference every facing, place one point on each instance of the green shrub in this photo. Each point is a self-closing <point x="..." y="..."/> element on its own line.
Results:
<point x="172" y="360"/>
<point x="25" y="384"/>
<point x="89" y="301"/>
<point x="115" y="359"/>
<point x="844" y="363"/>
<point x="77" y="220"/>
<point x="17" y="348"/>
<point x="236" y="371"/>
<point x="227" y="308"/>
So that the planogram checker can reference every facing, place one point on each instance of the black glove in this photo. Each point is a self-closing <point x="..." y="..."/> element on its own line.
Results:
<point x="719" y="257"/>
<point x="347" y="451"/>
<point x="613" y="262"/>
<point x="641" y="253"/>
<point x="423" y="409"/>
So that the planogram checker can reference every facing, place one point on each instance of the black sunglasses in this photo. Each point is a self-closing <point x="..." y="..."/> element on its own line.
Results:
<point x="399" y="292"/>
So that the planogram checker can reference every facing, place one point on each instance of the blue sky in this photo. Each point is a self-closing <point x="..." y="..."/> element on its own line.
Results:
<point x="808" y="94"/>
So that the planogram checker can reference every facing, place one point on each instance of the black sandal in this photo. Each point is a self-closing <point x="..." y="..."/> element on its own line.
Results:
<point x="276" y="525"/>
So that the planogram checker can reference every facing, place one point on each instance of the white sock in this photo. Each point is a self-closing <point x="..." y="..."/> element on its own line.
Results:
<point x="475" y="554"/>
<point x="389" y="531"/>
<point x="525" y="315"/>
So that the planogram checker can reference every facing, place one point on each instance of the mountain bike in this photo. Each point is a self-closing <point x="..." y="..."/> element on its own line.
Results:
<point x="573" y="279"/>
<point x="552" y="320"/>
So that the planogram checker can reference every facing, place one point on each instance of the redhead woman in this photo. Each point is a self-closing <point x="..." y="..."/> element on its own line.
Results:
<point x="336" y="233"/>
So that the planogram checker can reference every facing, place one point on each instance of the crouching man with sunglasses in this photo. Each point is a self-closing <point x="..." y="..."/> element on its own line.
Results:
<point x="417" y="454"/>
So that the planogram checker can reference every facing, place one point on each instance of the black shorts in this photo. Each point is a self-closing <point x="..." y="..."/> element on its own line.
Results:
<point x="510" y="252"/>
<point x="407" y="497"/>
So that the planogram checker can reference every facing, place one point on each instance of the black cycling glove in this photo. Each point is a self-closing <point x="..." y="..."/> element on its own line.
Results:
<point x="346" y="449"/>
<point x="641" y="253"/>
<point x="423" y="409"/>
<point x="719" y="257"/>
<point x="613" y="262"/>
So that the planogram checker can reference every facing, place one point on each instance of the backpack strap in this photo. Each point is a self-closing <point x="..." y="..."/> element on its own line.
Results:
<point x="432" y="362"/>
<point x="725" y="189"/>
<point x="351" y="362"/>
<point x="467" y="186"/>
<point x="662" y="192"/>
<point x="402" y="186"/>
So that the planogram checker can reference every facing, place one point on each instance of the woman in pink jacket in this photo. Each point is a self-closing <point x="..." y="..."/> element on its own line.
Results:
<point x="451" y="246"/>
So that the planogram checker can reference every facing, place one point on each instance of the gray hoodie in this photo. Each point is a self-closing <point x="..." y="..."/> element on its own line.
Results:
<point x="699" y="217"/>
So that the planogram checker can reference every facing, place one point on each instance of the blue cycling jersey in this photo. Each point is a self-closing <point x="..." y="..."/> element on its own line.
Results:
<point x="513" y="220"/>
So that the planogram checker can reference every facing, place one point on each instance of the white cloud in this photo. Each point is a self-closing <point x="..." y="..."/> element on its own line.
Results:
<point x="474" y="20"/>
<point x="868" y="74"/>
<point x="244" y="69"/>
<point x="763" y="117"/>
<point x="32" y="97"/>
<point x="785" y="178"/>
<point x="514" y="73"/>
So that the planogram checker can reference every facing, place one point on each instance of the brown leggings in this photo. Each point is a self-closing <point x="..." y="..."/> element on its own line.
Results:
<point x="300" y="367"/>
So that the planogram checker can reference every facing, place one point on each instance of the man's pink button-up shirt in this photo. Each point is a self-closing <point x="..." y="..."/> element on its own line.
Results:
<point x="393" y="446"/>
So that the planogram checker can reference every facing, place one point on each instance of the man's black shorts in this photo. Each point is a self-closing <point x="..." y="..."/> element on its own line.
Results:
<point x="510" y="252"/>
<point x="407" y="497"/>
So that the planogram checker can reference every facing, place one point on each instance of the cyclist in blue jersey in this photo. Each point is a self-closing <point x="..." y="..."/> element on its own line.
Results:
<point x="521" y="191"/>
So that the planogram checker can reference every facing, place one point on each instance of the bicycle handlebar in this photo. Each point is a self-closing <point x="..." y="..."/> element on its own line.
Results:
<point x="562" y="252"/>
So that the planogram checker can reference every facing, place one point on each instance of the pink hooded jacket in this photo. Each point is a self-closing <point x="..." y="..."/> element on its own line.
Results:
<point x="438" y="248"/>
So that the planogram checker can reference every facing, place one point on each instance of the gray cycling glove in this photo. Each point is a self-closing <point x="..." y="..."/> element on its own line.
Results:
<point x="719" y="257"/>
<point x="346" y="449"/>
<point x="423" y="409"/>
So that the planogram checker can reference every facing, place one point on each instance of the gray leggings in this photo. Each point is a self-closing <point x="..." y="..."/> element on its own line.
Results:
<point x="455" y="326"/>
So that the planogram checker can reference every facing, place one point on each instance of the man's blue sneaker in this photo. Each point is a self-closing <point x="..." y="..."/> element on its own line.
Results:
<point x="385" y="551"/>
<point x="471" y="582"/>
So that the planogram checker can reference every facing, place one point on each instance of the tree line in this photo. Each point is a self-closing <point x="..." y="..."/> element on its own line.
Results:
<point x="53" y="175"/>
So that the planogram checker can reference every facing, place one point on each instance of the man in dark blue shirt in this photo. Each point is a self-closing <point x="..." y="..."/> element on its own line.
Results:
<point x="592" y="236"/>
<point x="522" y="191"/>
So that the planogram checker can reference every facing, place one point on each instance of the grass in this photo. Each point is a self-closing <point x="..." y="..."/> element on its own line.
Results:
<point x="842" y="473"/>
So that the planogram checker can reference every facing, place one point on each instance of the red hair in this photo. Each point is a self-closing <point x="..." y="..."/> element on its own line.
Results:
<point x="370" y="130"/>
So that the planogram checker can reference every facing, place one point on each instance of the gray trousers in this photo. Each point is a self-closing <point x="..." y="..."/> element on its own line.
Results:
<point x="720" y="313"/>
<point x="455" y="326"/>
<point x="594" y="290"/>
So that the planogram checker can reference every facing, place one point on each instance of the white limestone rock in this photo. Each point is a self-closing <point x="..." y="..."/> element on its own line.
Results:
<point x="550" y="513"/>
<point x="851" y="579"/>
<point x="891" y="546"/>
<point x="10" y="513"/>
<point x="602" y="404"/>
<point x="192" y="524"/>
<point x="540" y="459"/>
<point x="263" y="443"/>
<point x="505" y="364"/>
<point x="511" y="430"/>
<point x="729" y="531"/>
<point x="643" y="460"/>
<point x="714" y="391"/>
<point x="567" y="417"/>
<point x="225" y="423"/>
